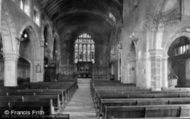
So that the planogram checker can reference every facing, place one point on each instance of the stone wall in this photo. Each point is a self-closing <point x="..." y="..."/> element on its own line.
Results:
<point x="153" y="25"/>
<point x="14" y="21"/>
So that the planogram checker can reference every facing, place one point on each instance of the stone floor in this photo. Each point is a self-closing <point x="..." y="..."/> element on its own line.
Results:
<point x="81" y="105"/>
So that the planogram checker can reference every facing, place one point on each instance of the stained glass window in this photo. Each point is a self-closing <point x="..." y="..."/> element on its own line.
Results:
<point x="84" y="49"/>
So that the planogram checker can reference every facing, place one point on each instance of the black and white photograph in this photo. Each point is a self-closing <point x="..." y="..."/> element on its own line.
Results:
<point x="94" y="59"/>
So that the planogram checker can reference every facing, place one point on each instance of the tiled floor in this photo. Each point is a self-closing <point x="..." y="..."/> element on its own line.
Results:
<point x="81" y="105"/>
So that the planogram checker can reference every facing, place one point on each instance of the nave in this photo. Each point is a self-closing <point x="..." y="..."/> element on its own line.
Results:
<point x="95" y="59"/>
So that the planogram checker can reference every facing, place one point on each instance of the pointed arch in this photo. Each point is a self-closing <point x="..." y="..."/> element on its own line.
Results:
<point x="33" y="50"/>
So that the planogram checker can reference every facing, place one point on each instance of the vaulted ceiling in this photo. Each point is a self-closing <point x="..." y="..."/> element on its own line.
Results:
<point x="94" y="16"/>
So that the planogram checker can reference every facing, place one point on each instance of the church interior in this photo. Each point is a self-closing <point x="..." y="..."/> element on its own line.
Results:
<point x="95" y="59"/>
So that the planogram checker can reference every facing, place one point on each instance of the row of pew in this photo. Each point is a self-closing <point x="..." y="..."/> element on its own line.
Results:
<point x="113" y="99"/>
<point x="42" y="100"/>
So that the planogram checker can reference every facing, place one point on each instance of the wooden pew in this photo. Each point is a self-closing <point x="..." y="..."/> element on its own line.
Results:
<point x="11" y="98"/>
<point x="111" y="92"/>
<point x="30" y="100"/>
<point x="68" y="88"/>
<point x="184" y="89"/>
<point x="136" y="95"/>
<point x="156" y="118"/>
<point x="141" y="95"/>
<point x="30" y="103"/>
<point x="140" y="101"/>
<point x="147" y="111"/>
<point x="28" y="106"/>
<point x="40" y="93"/>
<point x="37" y="95"/>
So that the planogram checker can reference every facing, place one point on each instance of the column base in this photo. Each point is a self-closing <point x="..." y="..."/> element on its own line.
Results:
<point x="10" y="84"/>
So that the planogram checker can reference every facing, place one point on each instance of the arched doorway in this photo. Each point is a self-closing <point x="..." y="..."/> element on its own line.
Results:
<point x="132" y="64"/>
<point x="179" y="61"/>
<point x="84" y="55"/>
<point x="24" y="73"/>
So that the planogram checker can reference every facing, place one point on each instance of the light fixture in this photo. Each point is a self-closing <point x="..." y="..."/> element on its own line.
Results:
<point x="111" y="16"/>
<point x="134" y="38"/>
<point x="46" y="65"/>
<point x="25" y="35"/>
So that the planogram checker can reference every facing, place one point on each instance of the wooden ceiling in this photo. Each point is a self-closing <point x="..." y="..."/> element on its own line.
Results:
<point x="58" y="9"/>
<point x="80" y="15"/>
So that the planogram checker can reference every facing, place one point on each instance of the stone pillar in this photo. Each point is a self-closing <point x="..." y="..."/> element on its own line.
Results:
<point x="10" y="69"/>
<point x="165" y="72"/>
<point x="119" y="65"/>
<point x="155" y="57"/>
<point x="0" y="14"/>
<point x="147" y="70"/>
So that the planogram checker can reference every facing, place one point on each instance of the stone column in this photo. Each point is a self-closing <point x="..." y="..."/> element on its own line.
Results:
<point x="0" y="14"/>
<point x="165" y="72"/>
<point x="155" y="57"/>
<point x="119" y="65"/>
<point x="10" y="69"/>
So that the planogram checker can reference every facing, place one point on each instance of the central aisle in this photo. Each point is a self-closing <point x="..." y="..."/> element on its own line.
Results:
<point x="81" y="105"/>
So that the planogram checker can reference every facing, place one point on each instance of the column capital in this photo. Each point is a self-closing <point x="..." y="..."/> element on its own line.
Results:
<point x="154" y="52"/>
<point x="11" y="56"/>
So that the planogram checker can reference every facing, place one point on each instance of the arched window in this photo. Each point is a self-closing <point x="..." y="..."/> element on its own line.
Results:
<point x="180" y="47"/>
<point x="36" y="16"/>
<point x="25" y="6"/>
<point x="84" y="49"/>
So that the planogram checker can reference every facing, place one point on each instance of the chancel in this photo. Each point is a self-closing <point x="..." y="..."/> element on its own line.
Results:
<point x="95" y="59"/>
